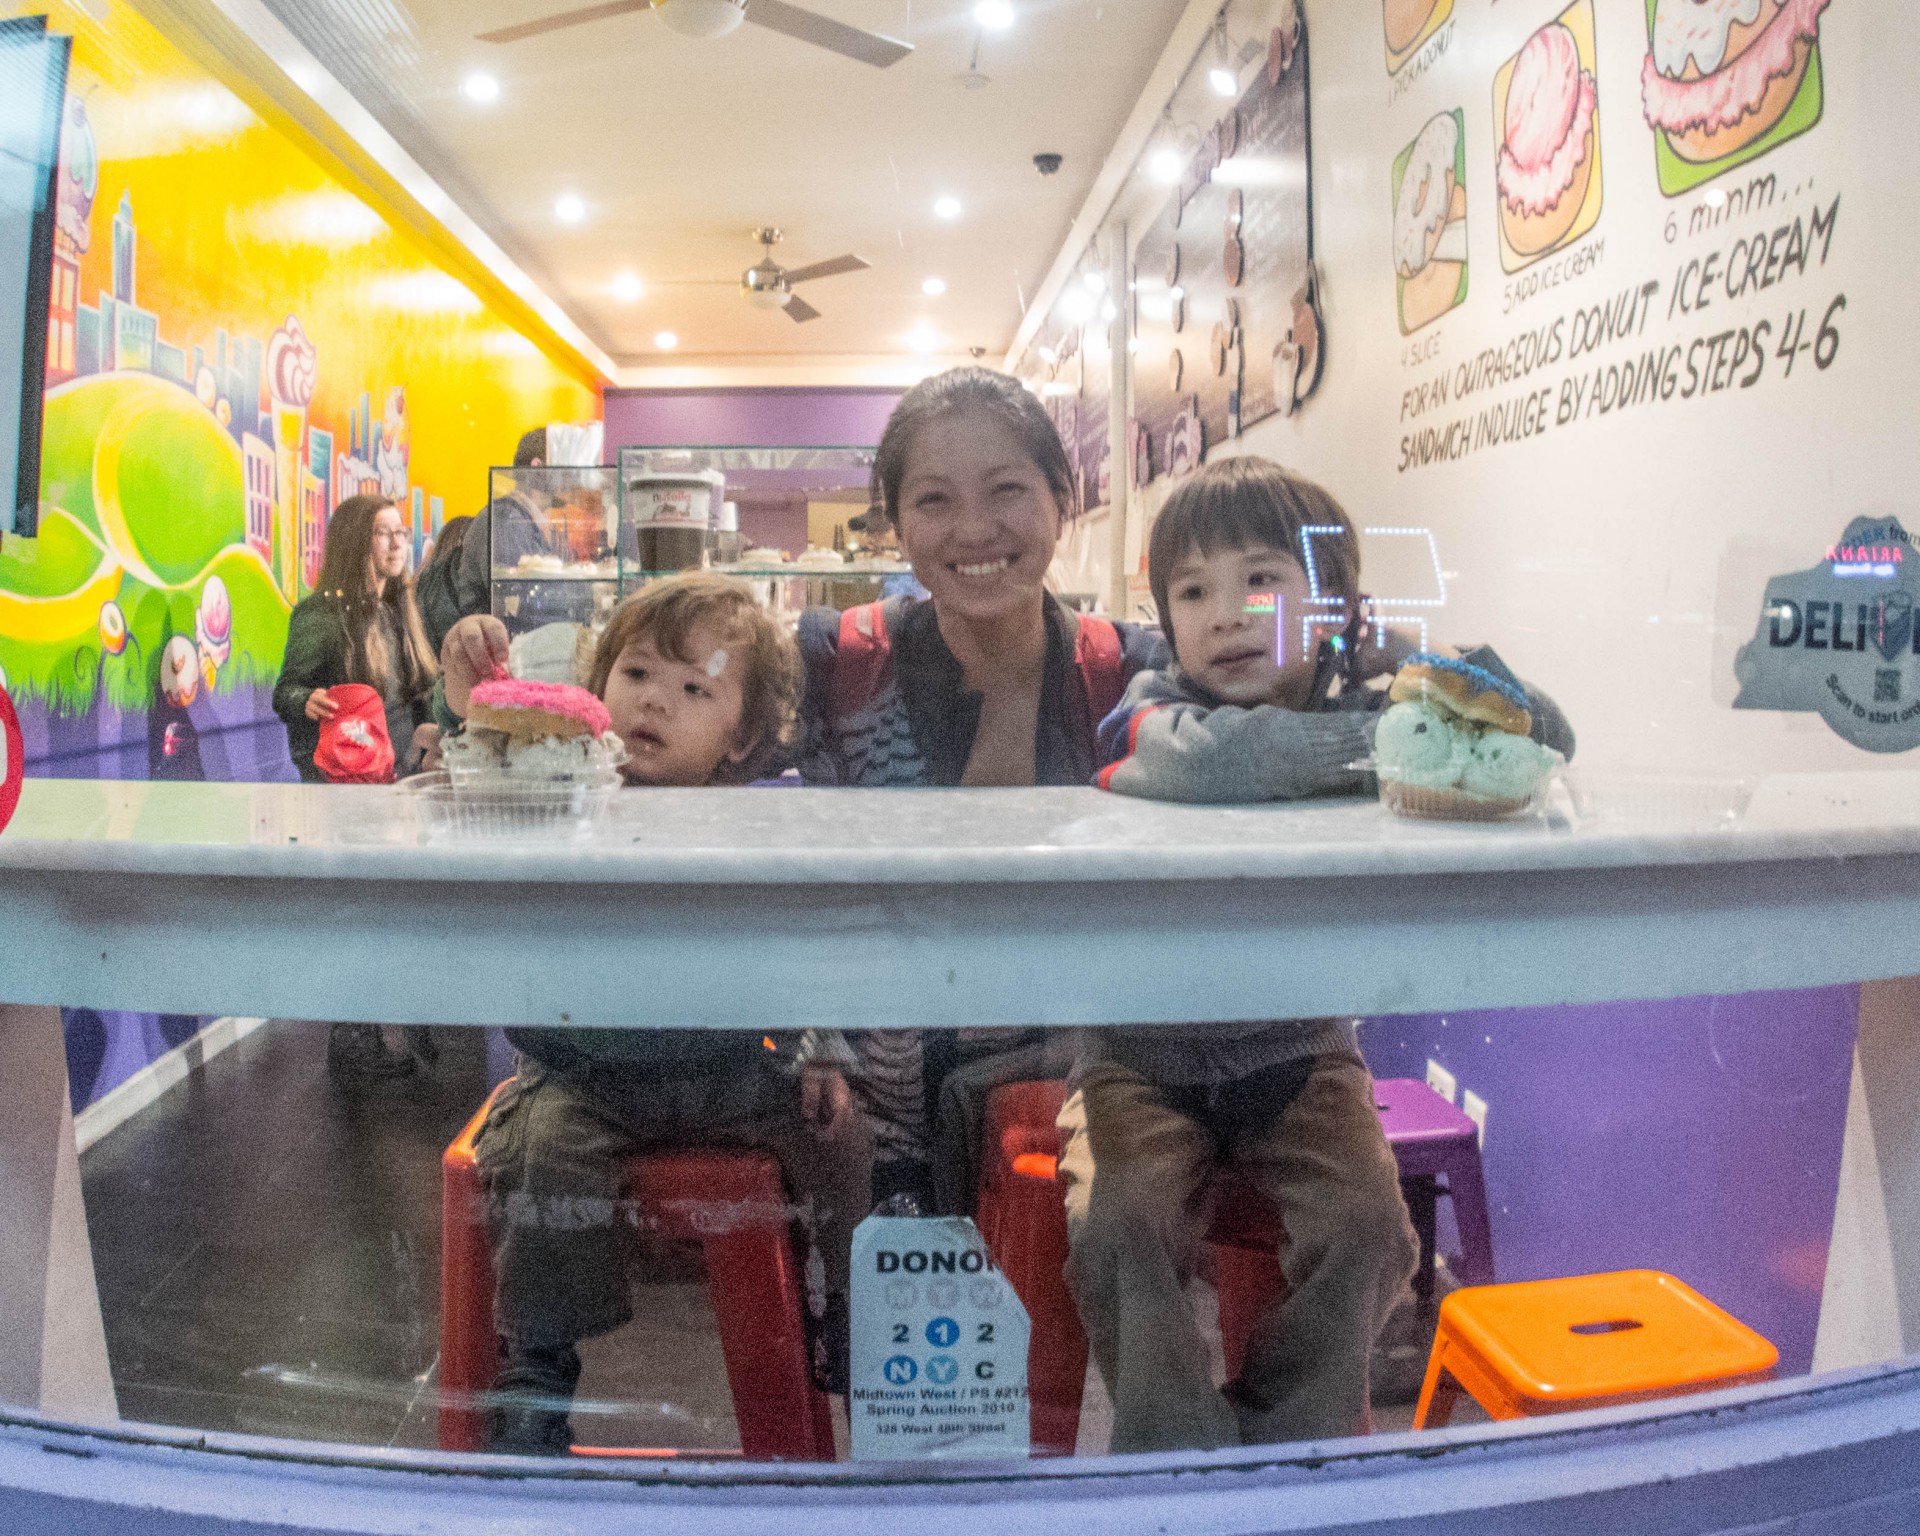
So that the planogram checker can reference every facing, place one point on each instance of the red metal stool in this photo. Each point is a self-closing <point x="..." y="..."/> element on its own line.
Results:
<point x="1022" y="1217"/>
<point x="733" y="1202"/>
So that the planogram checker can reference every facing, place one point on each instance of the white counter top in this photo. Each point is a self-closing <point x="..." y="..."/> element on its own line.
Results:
<point x="870" y="908"/>
<point x="894" y="837"/>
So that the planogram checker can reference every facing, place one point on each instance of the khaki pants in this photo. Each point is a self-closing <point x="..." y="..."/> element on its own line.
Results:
<point x="552" y="1164"/>
<point x="1137" y="1163"/>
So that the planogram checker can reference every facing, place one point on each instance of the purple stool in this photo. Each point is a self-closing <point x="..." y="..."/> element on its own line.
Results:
<point x="1438" y="1151"/>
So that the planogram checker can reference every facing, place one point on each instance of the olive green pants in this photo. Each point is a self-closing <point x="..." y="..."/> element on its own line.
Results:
<point x="1138" y="1161"/>
<point x="552" y="1161"/>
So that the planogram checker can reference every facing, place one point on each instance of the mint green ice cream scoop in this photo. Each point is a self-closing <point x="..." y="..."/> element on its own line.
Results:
<point x="1417" y="745"/>
<point x="1501" y="766"/>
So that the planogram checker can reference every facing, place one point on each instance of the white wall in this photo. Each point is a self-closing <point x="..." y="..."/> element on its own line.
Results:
<point x="1618" y="560"/>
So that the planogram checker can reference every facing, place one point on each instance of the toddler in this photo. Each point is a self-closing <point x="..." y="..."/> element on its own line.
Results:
<point x="702" y="687"/>
<point x="1247" y="711"/>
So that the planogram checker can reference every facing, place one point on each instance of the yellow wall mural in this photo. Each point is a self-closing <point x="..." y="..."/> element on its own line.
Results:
<point x="237" y="343"/>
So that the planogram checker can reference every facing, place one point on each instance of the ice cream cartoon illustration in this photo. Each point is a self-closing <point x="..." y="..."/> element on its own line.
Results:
<point x="1410" y="23"/>
<point x="1727" y="80"/>
<point x="180" y="671"/>
<point x="390" y="450"/>
<point x="213" y="627"/>
<point x="292" y="367"/>
<point x="1430" y="222"/>
<point x="1545" y="109"/>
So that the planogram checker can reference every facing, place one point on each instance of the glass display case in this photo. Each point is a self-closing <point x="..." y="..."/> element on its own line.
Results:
<point x="799" y="530"/>
<point x="556" y="545"/>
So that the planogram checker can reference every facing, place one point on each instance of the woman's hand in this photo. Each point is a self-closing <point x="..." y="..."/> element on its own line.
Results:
<point x="826" y="1103"/>
<point x="475" y="651"/>
<point x="320" y="705"/>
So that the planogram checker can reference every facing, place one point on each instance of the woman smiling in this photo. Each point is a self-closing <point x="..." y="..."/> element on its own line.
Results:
<point x="988" y="680"/>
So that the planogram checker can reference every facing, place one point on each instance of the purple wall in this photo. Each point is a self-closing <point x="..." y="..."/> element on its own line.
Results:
<point x="1700" y="1136"/>
<point x="234" y="738"/>
<point x="745" y="418"/>
<point x="106" y="1047"/>
<point x="228" y="738"/>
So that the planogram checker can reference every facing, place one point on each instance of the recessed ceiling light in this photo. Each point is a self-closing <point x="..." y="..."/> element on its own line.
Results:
<point x="946" y="207"/>
<point x="570" y="209"/>
<point x="1077" y="305"/>
<point x="933" y="287"/>
<point x="1223" y="80"/>
<point x="627" y="287"/>
<point x="994" y="15"/>
<point x="666" y="341"/>
<point x="480" y="86"/>
<point x="1096" y="281"/>
<point x="922" y="339"/>
<point x="1165" y="165"/>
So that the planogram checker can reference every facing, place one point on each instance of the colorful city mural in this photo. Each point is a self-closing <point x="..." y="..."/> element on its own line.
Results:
<point x="236" y="344"/>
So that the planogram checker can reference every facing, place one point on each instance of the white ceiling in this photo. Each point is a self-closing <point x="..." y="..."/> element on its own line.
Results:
<point x="679" y="147"/>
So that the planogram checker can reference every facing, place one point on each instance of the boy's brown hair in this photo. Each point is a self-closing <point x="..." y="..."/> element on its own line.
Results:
<point x="666" y="612"/>
<point x="1245" y="501"/>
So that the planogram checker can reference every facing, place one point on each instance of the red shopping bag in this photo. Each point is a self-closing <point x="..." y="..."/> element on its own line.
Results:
<point x="354" y="748"/>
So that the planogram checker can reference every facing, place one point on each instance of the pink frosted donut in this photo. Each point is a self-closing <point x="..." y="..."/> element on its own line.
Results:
<point x="532" y="710"/>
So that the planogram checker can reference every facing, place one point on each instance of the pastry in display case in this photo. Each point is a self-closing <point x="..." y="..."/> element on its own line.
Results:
<point x="556" y="545"/>
<point x="795" y="523"/>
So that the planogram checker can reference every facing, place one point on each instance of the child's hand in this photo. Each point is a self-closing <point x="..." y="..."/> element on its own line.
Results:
<point x="826" y="1103"/>
<point x="1383" y="650"/>
<point x="475" y="651"/>
<point x="320" y="705"/>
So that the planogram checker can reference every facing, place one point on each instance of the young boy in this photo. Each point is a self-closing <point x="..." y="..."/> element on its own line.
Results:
<point x="1246" y="712"/>
<point x="702" y="686"/>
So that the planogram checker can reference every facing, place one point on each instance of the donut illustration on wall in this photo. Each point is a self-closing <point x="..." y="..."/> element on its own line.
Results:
<point x="1727" y="80"/>
<point x="1410" y="23"/>
<point x="1430" y="222"/>
<point x="1546" y="116"/>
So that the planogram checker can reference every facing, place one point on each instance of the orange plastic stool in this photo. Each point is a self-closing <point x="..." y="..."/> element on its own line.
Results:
<point x="730" y="1200"/>
<point x="1587" y="1341"/>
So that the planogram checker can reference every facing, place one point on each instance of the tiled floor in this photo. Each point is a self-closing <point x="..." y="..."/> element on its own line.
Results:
<point x="268" y="1255"/>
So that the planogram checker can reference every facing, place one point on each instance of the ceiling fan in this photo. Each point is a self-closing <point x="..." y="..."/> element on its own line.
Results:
<point x="768" y="285"/>
<point x="716" y="18"/>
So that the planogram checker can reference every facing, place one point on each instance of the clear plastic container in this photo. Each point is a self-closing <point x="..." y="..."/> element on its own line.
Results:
<point x="1659" y="800"/>
<point x="503" y="808"/>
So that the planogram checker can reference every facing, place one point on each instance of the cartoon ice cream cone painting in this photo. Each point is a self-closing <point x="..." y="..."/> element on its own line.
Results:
<point x="1727" y="80"/>
<point x="391" y="449"/>
<point x="180" y="671"/>
<point x="1409" y="23"/>
<point x="292" y="367"/>
<point x="1430" y="222"/>
<point x="213" y="629"/>
<point x="1546" y="112"/>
